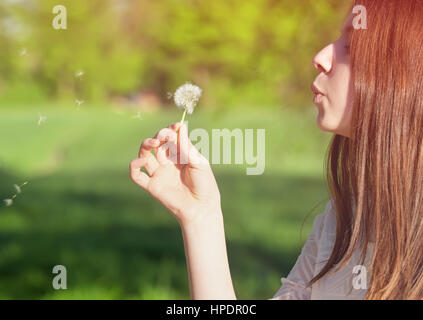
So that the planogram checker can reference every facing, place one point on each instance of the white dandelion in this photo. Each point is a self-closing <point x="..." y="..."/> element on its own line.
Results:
<point x="186" y="98"/>
<point x="8" y="202"/>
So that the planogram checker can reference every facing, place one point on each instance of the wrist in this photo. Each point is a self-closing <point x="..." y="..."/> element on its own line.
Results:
<point x="201" y="218"/>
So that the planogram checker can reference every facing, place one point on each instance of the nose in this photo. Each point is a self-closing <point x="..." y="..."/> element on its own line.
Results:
<point x="323" y="60"/>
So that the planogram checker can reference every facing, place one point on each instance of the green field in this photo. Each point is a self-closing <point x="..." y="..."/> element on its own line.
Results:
<point x="81" y="210"/>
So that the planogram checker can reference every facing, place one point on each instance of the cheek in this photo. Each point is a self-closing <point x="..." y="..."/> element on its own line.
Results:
<point x="342" y="94"/>
<point x="336" y="116"/>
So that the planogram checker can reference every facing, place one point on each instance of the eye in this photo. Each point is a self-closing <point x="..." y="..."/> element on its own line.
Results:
<point x="347" y="48"/>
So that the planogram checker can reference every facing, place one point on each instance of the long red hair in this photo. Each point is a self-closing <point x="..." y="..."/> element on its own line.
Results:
<point x="375" y="177"/>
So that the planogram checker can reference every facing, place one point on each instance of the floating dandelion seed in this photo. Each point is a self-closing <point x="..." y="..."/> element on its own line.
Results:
<point x="9" y="202"/>
<point x="17" y="188"/>
<point x="23" y="52"/>
<point x="186" y="98"/>
<point x="23" y="184"/>
<point x="79" y="73"/>
<point x="78" y="103"/>
<point x="41" y="119"/>
<point x="137" y="116"/>
<point x="169" y="95"/>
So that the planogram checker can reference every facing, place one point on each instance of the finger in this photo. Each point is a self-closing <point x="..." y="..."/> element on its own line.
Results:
<point x="183" y="144"/>
<point x="139" y="177"/>
<point x="175" y="126"/>
<point x="189" y="153"/>
<point x="145" y="152"/>
<point x="167" y="150"/>
<point x="146" y="146"/>
<point x="165" y="135"/>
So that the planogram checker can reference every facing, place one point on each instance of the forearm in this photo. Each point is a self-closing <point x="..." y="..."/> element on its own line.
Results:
<point x="207" y="260"/>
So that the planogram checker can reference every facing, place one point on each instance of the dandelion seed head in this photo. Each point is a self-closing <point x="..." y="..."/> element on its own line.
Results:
<point x="8" y="202"/>
<point x="187" y="96"/>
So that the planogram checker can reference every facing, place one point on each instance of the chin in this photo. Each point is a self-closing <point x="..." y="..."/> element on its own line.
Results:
<point x="321" y="123"/>
<point x="330" y="122"/>
<point x="325" y="124"/>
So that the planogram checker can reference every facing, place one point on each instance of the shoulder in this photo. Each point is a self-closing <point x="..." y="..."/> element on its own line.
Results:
<point x="325" y="222"/>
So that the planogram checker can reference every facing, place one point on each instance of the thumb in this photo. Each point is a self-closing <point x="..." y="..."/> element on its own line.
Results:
<point x="188" y="152"/>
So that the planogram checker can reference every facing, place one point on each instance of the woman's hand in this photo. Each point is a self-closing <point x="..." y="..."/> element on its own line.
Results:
<point x="179" y="176"/>
<point x="182" y="180"/>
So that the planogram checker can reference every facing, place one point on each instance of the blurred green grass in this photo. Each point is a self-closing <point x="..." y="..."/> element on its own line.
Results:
<point x="81" y="210"/>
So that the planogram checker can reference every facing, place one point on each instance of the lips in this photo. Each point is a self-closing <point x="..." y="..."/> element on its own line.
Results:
<point x="318" y="95"/>
<point x="316" y="90"/>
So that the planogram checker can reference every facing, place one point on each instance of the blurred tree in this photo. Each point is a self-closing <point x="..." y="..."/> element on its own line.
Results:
<point x="240" y="52"/>
<point x="93" y="43"/>
<point x="259" y="50"/>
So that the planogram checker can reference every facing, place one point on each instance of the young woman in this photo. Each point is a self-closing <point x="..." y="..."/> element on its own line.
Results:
<point x="369" y="93"/>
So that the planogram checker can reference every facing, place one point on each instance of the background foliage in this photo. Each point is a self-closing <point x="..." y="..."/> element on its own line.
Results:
<point x="256" y="51"/>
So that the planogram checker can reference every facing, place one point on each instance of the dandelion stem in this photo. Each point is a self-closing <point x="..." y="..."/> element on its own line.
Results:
<point x="183" y="116"/>
<point x="182" y="122"/>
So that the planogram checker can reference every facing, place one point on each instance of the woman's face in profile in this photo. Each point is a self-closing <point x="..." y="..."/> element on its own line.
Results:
<point x="334" y="83"/>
